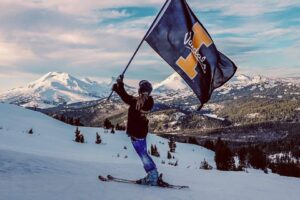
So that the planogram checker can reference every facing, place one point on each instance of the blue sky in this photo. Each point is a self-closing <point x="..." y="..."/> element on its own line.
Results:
<point x="95" y="38"/>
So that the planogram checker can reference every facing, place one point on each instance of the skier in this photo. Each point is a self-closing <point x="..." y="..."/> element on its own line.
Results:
<point x="137" y="125"/>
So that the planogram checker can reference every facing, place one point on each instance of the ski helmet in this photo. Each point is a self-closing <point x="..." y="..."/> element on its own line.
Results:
<point x="145" y="87"/>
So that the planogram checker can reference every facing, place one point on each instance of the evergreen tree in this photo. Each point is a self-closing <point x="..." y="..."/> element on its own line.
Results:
<point x="176" y="163"/>
<point x="223" y="156"/>
<point x="112" y="130"/>
<point x="204" y="165"/>
<point x="62" y="118"/>
<point x="71" y="120"/>
<point x="98" y="139"/>
<point x="242" y="154"/>
<point x="77" y="135"/>
<point x="193" y="140"/>
<point x="209" y="145"/>
<point x="257" y="158"/>
<point x="169" y="156"/>
<point x="151" y="149"/>
<point x="172" y="145"/>
<point x="107" y="124"/>
<point x="154" y="151"/>
<point x="118" y="127"/>
<point x="30" y="131"/>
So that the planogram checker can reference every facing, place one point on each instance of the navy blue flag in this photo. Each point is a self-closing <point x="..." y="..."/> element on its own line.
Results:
<point x="183" y="42"/>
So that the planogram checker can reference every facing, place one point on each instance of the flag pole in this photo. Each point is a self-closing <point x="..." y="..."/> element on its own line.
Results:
<point x="139" y="46"/>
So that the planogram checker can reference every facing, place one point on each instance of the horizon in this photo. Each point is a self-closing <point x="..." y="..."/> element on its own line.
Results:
<point x="132" y="82"/>
<point x="37" y="37"/>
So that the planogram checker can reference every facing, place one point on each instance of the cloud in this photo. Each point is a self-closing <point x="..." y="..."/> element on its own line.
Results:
<point x="244" y="7"/>
<point x="13" y="78"/>
<point x="95" y="37"/>
<point x="14" y="53"/>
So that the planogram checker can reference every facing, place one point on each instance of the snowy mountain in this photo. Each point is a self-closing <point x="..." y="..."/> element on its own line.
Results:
<point x="175" y="84"/>
<point x="56" y="88"/>
<point x="240" y="85"/>
<point x="172" y="84"/>
<point x="48" y="165"/>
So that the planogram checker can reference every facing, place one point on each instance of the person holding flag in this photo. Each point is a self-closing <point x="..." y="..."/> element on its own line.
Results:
<point x="182" y="41"/>
<point x="137" y="125"/>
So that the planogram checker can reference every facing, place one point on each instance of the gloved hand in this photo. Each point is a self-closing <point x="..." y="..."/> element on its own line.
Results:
<point x="120" y="79"/>
<point x="114" y="87"/>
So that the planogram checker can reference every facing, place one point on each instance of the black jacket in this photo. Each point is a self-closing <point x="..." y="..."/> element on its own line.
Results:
<point x="137" y="122"/>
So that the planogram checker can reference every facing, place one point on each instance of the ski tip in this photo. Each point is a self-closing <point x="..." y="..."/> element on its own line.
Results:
<point x="101" y="178"/>
<point x="110" y="177"/>
<point x="184" y="187"/>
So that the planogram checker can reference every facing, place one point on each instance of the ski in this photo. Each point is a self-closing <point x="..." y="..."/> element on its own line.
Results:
<point x="162" y="184"/>
<point x="102" y="178"/>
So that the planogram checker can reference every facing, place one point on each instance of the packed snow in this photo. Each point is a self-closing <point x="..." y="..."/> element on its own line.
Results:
<point x="49" y="165"/>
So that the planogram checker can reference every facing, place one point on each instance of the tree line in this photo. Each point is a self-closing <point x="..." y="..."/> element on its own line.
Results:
<point x="253" y="156"/>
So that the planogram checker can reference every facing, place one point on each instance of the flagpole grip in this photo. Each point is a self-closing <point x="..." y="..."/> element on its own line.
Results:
<point x="139" y="46"/>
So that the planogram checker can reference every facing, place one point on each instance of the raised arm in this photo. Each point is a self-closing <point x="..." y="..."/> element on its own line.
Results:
<point x="120" y="90"/>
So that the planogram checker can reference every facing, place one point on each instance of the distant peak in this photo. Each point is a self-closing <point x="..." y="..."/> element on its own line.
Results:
<point x="55" y="75"/>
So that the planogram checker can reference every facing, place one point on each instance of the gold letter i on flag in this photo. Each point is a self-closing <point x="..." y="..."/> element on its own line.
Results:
<point x="189" y="64"/>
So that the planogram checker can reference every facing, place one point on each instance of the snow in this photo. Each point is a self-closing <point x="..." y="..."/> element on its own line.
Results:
<point x="213" y="106"/>
<point x="253" y="87"/>
<point x="253" y="115"/>
<point x="294" y="81"/>
<point x="160" y="117"/>
<point x="283" y="155"/>
<point x="259" y="96"/>
<point x="49" y="165"/>
<point x="172" y="84"/>
<point x="214" y="116"/>
<point x="225" y="91"/>
<point x="240" y="81"/>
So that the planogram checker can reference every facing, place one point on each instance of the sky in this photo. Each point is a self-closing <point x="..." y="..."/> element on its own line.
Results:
<point x="96" y="38"/>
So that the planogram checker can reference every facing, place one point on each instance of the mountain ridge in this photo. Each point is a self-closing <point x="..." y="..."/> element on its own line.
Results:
<point x="60" y="88"/>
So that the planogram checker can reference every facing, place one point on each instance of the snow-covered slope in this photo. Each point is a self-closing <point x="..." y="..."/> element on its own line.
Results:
<point x="56" y="88"/>
<point x="173" y="87"/>
<point x="49" y="165"/>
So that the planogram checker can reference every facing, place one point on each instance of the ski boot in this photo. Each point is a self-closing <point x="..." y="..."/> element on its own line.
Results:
<point x="161" y="182"/>
<point x="150" y="179"/>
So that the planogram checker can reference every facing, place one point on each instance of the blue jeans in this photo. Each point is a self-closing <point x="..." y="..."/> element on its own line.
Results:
<point x="140" y="146"/>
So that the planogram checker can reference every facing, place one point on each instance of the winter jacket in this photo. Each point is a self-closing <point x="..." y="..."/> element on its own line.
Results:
<point x="137" y="122"/>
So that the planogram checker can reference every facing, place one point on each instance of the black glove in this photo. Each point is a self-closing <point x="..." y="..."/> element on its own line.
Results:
<point x="120" y="79"/>
<point x="115" y="87"/>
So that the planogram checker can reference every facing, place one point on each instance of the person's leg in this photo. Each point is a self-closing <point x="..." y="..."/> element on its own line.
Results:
<point x="140" y="146"/>
<point x="152" y="175"/>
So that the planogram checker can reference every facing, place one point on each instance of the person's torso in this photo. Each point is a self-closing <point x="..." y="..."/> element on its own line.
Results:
<point x="137" y="124"/>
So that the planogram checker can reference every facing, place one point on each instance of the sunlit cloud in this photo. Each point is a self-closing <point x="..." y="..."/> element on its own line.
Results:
<point x="97" y="38"/>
